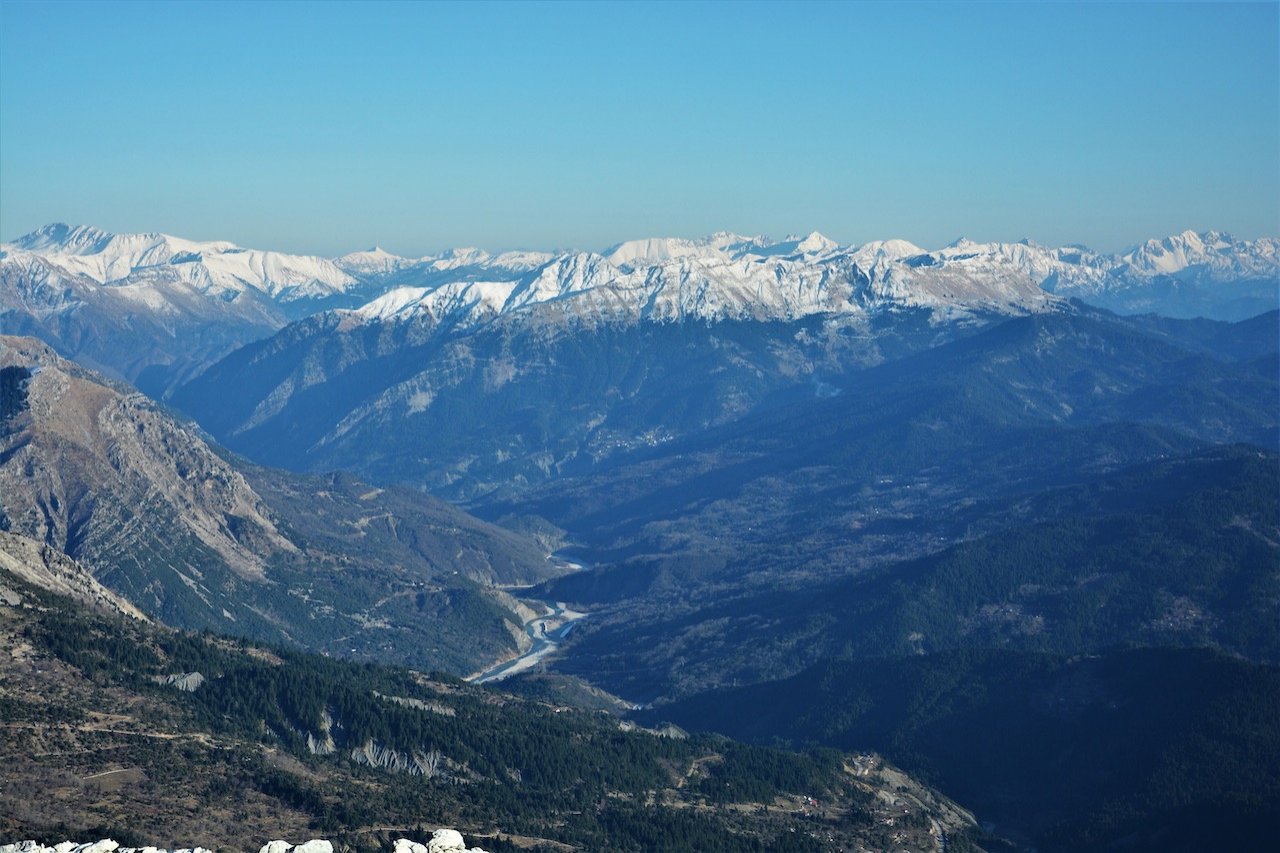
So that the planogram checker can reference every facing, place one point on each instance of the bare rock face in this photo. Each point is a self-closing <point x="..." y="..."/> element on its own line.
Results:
<point x="85" y="459"/>
<point x="316" y="845"/>
<point x="102" y="475"/>
<point x="442" y="841"/>
<point x="188" y="682"/>
<point x="106" y="845"/>
<point x="430" y="764"/>
<point x="46" y="567"/>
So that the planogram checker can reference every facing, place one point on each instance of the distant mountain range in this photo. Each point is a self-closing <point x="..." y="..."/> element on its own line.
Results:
<point x="186" y="303"/>
<point x="721" y="276"/>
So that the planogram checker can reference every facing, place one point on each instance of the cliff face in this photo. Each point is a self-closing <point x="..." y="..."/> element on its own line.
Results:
<point x="103" y="475"/>
<point x="95" y="471"/>
<point x="49" y="569"/>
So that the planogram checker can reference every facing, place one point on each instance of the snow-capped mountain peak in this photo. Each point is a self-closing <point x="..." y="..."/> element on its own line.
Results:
<point x="812" y="245"/>
<point x="468" y="301"/>
<point x="156" y="307"/>
<point x="653" y="250"/>
<point x="721" y="276"/>
<point x="816" y="244"/>
<point x="220" y="269"/>
<point x="375" y="261"/>
<point x="64" y="239"/>
<point x="885" y="251"/>
<point x="1204" y="257"/>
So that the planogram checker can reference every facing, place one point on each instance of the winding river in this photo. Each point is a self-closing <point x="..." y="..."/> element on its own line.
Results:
<point x="545" y="630"/>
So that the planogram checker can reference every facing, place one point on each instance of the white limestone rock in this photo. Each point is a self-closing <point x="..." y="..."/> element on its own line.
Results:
<point x="314" y="846"/>
<point x="446" y="841"/>
<point x="106" y="845"/>
<point x="442" y="841"/>
<point x="449" y="841"/>
<point x="404" y="845"/>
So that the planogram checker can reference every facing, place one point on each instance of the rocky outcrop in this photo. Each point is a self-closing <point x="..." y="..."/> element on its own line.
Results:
<point x="418" y="704"/>
<point x="187" y="681"/>
<point x="106" y="845"/>
<point x="47" y="568"/>
<point x="95" y="471"/>
<point x="322" y="745"/>
<point x="313" y="846"/>
<point x="442" y="841"/>
<point x="427" y="764"/>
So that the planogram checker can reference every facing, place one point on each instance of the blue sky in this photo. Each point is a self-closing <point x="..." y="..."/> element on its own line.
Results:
<point x="330" y="127"/>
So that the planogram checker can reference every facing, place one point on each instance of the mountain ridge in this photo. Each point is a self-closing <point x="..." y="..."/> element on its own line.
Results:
<point x="85" y="290"/>
<point x="902" y="269"/>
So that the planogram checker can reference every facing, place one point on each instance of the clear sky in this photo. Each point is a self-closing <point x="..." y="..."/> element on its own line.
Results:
<point x="329" y="127"/>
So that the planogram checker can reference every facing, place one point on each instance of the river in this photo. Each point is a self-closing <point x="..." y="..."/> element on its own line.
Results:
<point x="552" y="624"/>
<point x="545" y="630"/>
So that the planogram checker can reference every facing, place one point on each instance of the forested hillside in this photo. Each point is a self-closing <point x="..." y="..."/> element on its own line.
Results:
<point x="150" y="735"/>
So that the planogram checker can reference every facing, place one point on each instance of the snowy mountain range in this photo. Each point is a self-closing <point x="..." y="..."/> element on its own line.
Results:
<point x="185" y="303"/>
<point x="218" y="269"/>
<point x="723" y="275"/>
